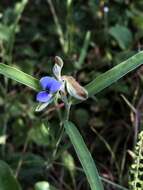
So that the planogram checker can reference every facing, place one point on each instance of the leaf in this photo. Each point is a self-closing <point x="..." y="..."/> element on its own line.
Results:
<point x="40" y="134"/>
<point x="19" y="7"/>
<point x="43" y="185"/>
<point x="4" y="32"/>
<point x="122" y="35"/>
<point x="109" y="77"/>
<point x="19" y="76"/>
<point x="7" y="180"/>
<point x="84" y="156"/>
<point x="84" y="49"/>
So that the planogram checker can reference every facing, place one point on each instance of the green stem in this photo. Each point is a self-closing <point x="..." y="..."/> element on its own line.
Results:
<point x="67" y="111"/>
<point x="58" y="142"/>
<point x="58" y="110"/>
<point x="58" y="26"/>
<point x="66" y="117"/>
<point x="22" y="159"/>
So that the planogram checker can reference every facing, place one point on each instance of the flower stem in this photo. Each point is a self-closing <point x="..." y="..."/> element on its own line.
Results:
<point x="67" y="111"/>
<point x="58" y="109"/>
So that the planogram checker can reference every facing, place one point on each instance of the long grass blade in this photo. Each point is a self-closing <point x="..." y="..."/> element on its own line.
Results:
<point x="84" y="49"/>
<point x="114" y="74"/>
<point x="19" y="76"/>
<point x="84" y="156"/>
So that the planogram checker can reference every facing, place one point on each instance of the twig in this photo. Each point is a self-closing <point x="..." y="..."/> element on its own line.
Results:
<point x="59" y="28"/>
<point x="22" y="159"/>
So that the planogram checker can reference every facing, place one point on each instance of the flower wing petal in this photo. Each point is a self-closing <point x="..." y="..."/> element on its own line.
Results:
<point x="56" y="85"/>
<point x="43" y="96"/>
<point x="46" y="82"/>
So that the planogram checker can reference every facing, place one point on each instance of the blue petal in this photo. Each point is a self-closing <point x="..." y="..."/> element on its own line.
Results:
<point x="56" y="85"/>
<point x="43" y="96"/>
<point x="46" y="82"/>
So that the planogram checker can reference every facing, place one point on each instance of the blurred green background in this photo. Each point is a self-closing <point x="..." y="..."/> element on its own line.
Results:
<point x="91" y="37"/>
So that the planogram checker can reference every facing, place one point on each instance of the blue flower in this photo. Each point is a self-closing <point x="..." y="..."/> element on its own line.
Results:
<point x="50" y="86"/>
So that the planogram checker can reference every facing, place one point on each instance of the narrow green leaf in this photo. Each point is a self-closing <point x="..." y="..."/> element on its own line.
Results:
<point x="83" y="53"/>
<point x="19" y="76"/>
<point x="84" y="156"/>
<point x="19" y="8"/>
<point x="4" y="32"/>
<point x="7" y="180"/>
<point x="114" y="74"/>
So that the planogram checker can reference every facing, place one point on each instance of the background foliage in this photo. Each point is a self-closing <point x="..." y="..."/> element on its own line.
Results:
<point x="91" y="39"/>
